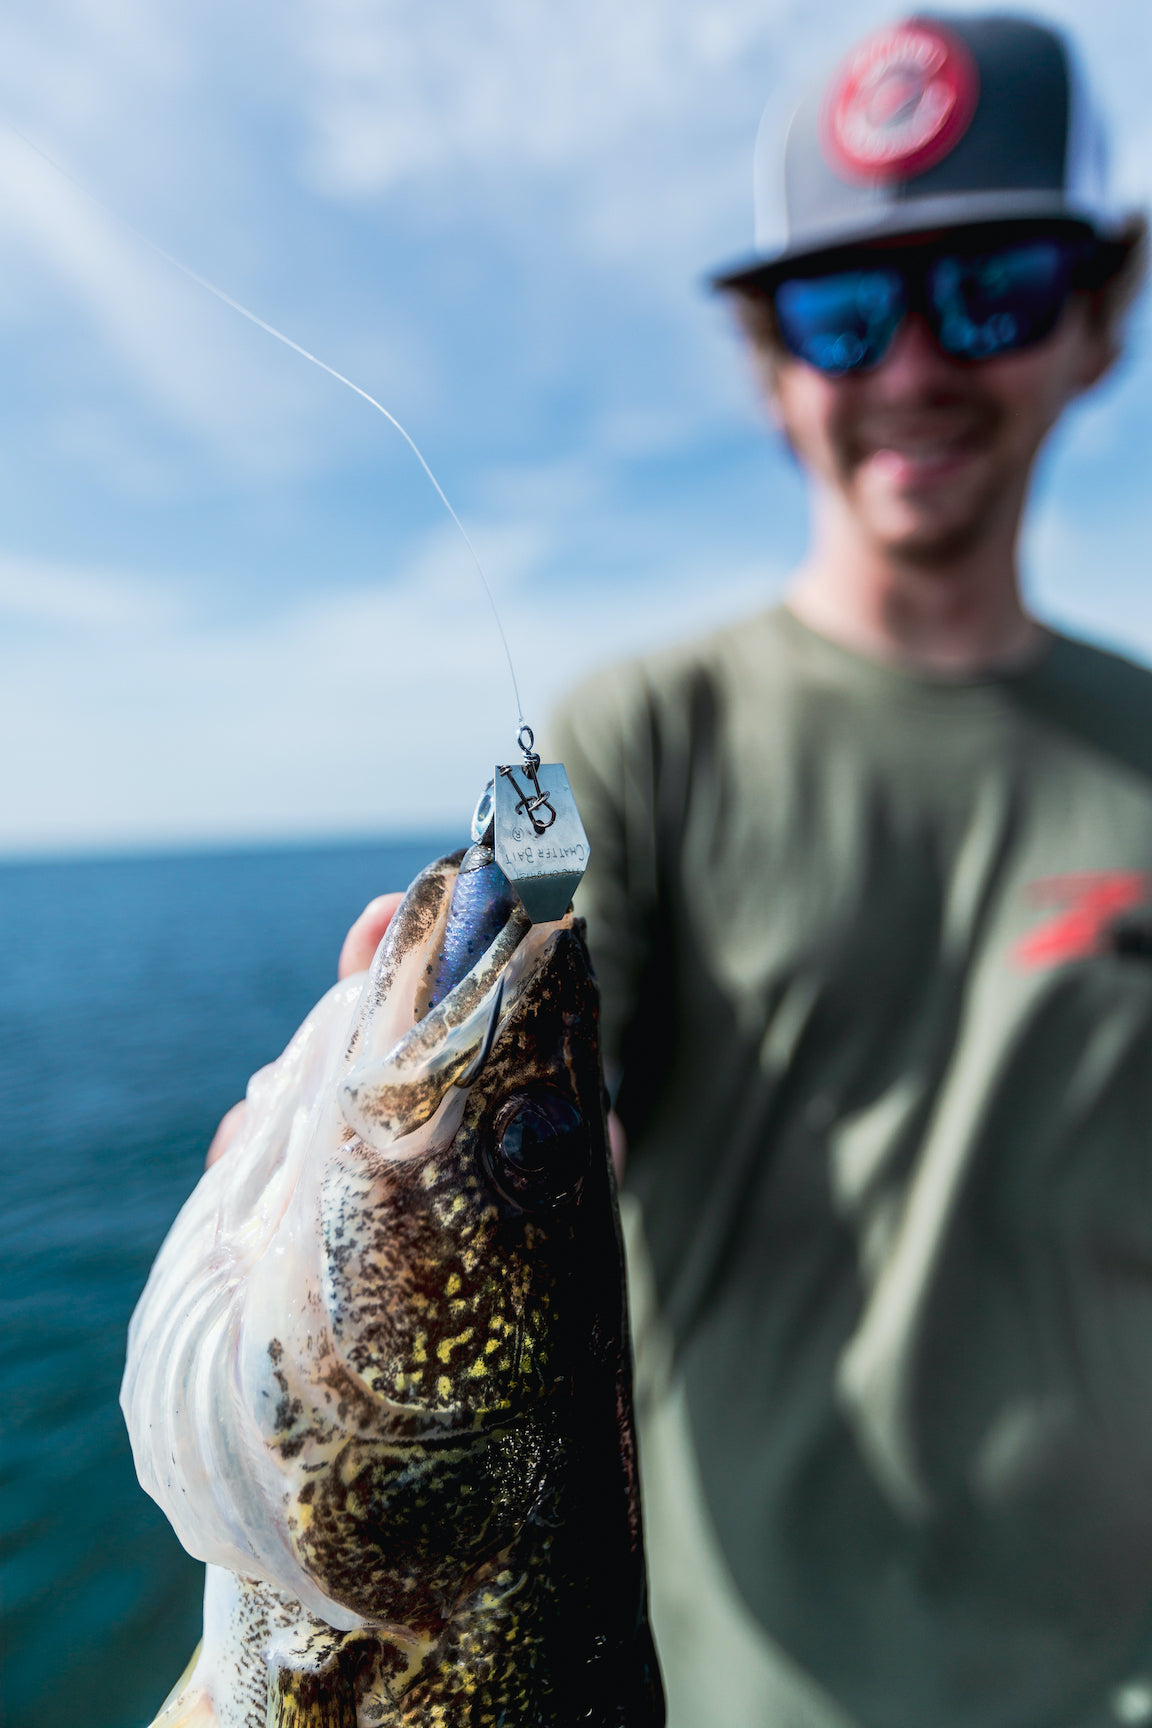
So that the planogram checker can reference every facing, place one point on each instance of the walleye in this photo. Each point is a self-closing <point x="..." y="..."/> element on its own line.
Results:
<point x="379" y="1378"/>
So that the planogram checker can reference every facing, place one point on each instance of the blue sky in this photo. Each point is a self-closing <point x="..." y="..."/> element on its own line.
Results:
<point x="231" y="607"/>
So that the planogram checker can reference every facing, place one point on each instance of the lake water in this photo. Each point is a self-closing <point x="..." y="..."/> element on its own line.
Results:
<point x="136" y="996"/>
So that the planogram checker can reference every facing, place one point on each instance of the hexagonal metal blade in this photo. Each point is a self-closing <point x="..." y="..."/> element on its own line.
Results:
<point x="543" y="864"/>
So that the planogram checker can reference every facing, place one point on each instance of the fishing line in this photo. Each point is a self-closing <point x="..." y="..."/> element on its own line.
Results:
<point x="271" y="330"/>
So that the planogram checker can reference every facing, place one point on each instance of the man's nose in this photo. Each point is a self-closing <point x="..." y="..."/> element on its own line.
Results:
<point x="915" y="359"/>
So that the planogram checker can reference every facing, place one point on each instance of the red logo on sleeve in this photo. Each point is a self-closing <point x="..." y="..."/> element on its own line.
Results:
<point x="1086" y="904"/>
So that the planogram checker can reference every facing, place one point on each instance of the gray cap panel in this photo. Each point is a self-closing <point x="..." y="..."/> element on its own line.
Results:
<point x="1017" y="157"/>
<point x="817" y="200"/>
<point x="1016" y="142"/>
<point x="1019" y="133"/>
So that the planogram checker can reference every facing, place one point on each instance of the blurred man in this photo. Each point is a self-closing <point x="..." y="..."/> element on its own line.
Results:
<point x="871" y="904"/>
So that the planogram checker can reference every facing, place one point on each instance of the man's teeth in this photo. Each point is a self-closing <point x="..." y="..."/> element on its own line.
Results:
<point x="915" y="451"/>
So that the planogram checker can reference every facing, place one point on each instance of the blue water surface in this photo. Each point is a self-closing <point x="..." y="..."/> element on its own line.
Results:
<point x="136" y="996"/>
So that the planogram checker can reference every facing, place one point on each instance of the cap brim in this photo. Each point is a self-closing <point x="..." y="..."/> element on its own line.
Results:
<point x="917" y="216"/>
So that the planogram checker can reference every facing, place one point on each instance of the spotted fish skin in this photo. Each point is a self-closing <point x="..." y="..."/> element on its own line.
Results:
<point x="437" y="1404"/>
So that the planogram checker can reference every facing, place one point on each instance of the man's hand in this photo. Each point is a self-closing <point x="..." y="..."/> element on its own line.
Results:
<point x="363" y="939"/>
<point x="360" y="945"/>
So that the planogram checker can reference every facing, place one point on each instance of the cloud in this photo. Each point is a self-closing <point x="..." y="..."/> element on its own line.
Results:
<point x="85" y="603"/>
<point x="399" y="92"/>
<point x="403" y="90"/>
<point x="360" y="712"/>
<point x="182" y="350"/>
<point x="618" y="134"/>
<point x="147" y="149"/>
<point x="595" y="160"/>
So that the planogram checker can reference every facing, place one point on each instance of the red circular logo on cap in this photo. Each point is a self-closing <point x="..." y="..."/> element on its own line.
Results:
<point x="902" y="100"/>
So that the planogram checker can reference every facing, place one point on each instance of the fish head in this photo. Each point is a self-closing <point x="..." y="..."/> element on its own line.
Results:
<point x="471" y="1194"/>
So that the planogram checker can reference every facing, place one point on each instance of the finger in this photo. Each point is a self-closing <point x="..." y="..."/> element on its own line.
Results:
<point x="230" y="1126"/>
<point x="363" y="939"/>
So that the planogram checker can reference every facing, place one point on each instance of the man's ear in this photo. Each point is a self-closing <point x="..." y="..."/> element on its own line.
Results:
<point x="1102" y="345"/>
<point x="764" y="364"/>
<point x="1100" y="355"/>
<point x="1107" y="306"/>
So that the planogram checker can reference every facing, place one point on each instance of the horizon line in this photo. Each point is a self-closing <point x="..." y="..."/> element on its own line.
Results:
<point x="123" y="850"/>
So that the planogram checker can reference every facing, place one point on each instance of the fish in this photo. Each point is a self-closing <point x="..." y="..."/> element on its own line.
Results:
<point x="379" y="1379"/>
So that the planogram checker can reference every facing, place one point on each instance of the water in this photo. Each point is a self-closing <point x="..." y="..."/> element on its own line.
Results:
<point x="136" y="996"/>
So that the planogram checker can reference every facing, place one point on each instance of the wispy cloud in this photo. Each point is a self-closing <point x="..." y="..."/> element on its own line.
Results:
<point x="85" y="603"/>
<point x="182" y="351"/>
<point x="403" y="91"/>
<point x="356" y="712"/>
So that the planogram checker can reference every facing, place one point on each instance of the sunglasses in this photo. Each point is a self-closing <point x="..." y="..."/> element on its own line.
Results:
<point x="977" y="304"/>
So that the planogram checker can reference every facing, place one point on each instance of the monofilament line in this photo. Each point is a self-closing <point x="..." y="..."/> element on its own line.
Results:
<point x="305" y="354"/>
<point x="262" y="324"/>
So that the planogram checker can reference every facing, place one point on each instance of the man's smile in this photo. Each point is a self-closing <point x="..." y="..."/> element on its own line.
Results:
<point x="907" y="452"/>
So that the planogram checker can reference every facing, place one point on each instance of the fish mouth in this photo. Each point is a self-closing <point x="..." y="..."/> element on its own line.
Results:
<point x="453" y="963"/>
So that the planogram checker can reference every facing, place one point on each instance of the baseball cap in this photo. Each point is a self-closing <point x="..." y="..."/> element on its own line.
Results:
<point x="936" y="121"/>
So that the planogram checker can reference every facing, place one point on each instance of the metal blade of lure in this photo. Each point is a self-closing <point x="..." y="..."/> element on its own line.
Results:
<point x="528" y="815"/>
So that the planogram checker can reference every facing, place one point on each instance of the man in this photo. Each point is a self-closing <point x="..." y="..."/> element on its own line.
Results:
<point x="870" y="899"/>
<point x="871" y="902"/>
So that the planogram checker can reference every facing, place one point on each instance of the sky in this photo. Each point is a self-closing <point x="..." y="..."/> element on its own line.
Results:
<point x="232" y="608"/>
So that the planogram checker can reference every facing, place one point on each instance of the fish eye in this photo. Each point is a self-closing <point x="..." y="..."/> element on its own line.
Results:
<point x="537" y="1153"/>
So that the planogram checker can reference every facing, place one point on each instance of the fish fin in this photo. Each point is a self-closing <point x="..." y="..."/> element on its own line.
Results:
<point x="187" y="1706"/>
<point x="312" y="1698"/>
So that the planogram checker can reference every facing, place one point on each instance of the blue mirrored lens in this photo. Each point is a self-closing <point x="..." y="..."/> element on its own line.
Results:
<point x="843" y="322"/>
<point x="999" y="301"/>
